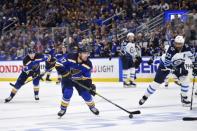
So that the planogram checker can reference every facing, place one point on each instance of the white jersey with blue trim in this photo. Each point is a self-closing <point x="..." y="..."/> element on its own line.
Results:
<point x="129" y="49"/>
<point x="173" y="58"/>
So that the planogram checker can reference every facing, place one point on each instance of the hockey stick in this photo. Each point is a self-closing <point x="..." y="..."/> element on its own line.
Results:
<point x="42" y="74"/>
<point x="191" y="106"/>
<point x="189" y="118"/>
<point x="87" y="88"/>
<point x="192" y="93"/>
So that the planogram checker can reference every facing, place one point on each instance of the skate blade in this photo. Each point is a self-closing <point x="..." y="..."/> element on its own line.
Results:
<point x="133" y="86"/>
<point x="48" y="81"/>
<point x="129" y="86"/>
<point x="126" y="86"/>
<point x="59" y="117"/>
<point x="186" y="105"/>
<point x="57" y="83"/>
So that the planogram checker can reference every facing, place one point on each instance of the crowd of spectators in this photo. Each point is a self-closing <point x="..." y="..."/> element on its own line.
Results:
<point x="40" y="23"/>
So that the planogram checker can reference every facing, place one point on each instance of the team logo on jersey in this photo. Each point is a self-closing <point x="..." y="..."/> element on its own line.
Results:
<point x="75" y="71"/>
<point x="178" y="62"/>
<point x="132" y="50"/>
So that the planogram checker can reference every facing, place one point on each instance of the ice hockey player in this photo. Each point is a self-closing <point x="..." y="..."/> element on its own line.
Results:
<point x="174" y="60"/>
<point x="31" y="64"/>
<point x="76" y="66"/>
<point x="63" y="52"/>
<point x="131" y="59"/>
<point x="50" y="51"/>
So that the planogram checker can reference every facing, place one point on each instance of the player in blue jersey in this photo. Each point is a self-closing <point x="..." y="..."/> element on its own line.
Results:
<point x="60" y="54"/>
<point x="76" y="66"/>
<point x="51" y="51"/>
<point x="31" y="64"/>
<point x="174" y="60"/>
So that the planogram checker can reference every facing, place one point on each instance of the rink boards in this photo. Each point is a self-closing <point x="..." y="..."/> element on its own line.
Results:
<point x="104" y="70"/>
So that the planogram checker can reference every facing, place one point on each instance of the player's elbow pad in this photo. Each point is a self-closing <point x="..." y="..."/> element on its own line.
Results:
<point x="26" y="69"/>
<point x="58" y="64"/>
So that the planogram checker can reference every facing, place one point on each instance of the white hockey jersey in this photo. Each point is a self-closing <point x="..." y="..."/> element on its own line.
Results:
<point x="129" y="49"/>
<point x="173" y="58"/>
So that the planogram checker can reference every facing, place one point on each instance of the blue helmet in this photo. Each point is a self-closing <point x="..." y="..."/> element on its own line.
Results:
<point x="84" y="48"/>
<point x="31" y="51"/>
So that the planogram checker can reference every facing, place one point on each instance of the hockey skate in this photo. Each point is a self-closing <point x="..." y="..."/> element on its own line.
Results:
<point x="132" y="84"/>
<point x="48" y="79"/>
<point x="129" y="84"/>
<point x="185" y="101"/>
<point x="177" y="83"/>
<point x="8" y="99"/>
<point x="61" y="113"/>
<point x="94" y="110"/>
<point x="126" y="85"/>
<point x="143" y="100"/>
<point x="166" y="84"/>
<point x="37" y="97"/>
<point x="196" y="93"/>
<point x="58" y="81"/>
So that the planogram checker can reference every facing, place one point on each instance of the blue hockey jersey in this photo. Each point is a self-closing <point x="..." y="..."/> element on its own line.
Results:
<point x="69" y="64"/>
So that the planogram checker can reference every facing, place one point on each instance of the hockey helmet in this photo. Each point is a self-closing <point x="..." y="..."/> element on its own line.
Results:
<point x="130" y="34"/>
<point x="84" y="48"/>
<point x="31" y="51"/>
<point x="179" y="39"/>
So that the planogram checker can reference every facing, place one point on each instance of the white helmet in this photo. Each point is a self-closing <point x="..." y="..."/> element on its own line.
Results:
<point x="179" y="39"/>
<point x="130" y="34"/>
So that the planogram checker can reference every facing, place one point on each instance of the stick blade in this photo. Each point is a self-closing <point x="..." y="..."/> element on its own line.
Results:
<point x="189" y="118"/>
<point x="12" y="84"/>
<point x="135" y="112"/>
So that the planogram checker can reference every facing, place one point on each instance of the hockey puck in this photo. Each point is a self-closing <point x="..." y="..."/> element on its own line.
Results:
<point x="130" y="116"/>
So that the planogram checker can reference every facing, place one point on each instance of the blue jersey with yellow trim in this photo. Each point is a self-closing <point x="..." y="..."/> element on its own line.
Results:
<point x="33" y="65"/>
<point x="51" y="51"/>
<point x="69" y="63"/>
<point x="60" y="55"/>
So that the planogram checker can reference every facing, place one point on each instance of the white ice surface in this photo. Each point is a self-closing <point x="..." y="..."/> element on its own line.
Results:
<point x="162" y="112"/>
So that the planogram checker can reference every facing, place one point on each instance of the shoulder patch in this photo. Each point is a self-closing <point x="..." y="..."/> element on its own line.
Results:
<point x="86" y="66"/>
<point x="172" y="48"/>
<point x="28" y="63"/>
<point x="70" y="60"/>
<point x="38" y="59"/>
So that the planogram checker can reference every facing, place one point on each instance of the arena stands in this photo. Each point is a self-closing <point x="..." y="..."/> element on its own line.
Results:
<point x="39" y="24"/>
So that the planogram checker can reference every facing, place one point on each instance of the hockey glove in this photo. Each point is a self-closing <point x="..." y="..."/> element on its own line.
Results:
<point x="150" y="62"/>
<point x="180" y="71"/>
<point x="92" y="90"/>
<point x="52" y="62"/>
<point x="138" y="61"/>
<point x="194" y="69"/>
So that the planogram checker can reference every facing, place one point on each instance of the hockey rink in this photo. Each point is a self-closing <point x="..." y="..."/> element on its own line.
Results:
<point x="162" y="112"/>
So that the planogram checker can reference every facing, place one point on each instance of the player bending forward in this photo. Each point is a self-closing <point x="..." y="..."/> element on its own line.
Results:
<point x="76" y="66"/>
<point x="31" y="68"/>
<point x="174" y="60"/>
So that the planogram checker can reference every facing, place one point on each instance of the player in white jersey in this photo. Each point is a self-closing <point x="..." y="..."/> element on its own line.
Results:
<point x="131" y="59"/>
<point x="166" y="81"/>
<point x="173" y="60"/>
